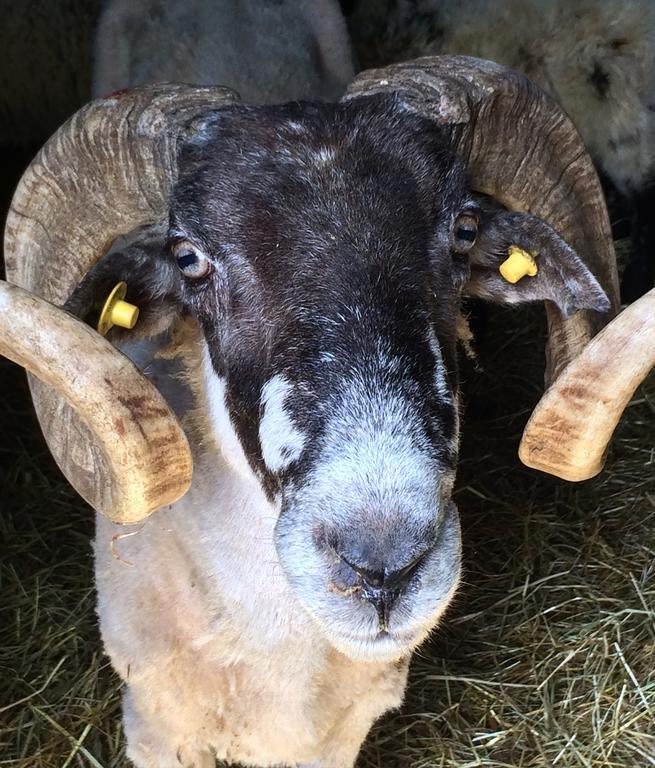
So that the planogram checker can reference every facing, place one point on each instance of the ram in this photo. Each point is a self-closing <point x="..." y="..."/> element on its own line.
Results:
<point x="300" y="270"/>
<point x="596" y="58"/>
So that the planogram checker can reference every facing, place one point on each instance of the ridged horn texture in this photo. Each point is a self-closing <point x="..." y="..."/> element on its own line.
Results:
<point x="107" y="171"/>
<point x="144" y="459"/>
<point x="568" y="434"/>
<point x="521" y="149"/>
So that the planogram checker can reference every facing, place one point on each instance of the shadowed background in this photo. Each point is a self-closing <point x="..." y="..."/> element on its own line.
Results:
<point x="547" y="657"/>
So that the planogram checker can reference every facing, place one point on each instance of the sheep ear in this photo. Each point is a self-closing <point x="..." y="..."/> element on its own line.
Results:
<point x="153" y="282"/>
<point x="561" y="276"/>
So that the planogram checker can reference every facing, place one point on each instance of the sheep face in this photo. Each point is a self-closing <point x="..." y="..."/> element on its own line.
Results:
<point x="315" y="246"/>
<point x="323" y="251"/>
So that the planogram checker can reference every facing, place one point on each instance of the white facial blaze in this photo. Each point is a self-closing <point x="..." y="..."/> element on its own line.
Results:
<point x="281" y="441"/>
<point x="440" y="381"/>
<point x="375" y="450"/>
<point x="226" y="436"/>
<point x="377" y="485"/>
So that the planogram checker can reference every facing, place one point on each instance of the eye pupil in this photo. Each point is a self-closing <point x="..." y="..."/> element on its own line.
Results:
<point x="187" y="259"/>
<point x="191" y="261"/>
<point x="465" y="232"/>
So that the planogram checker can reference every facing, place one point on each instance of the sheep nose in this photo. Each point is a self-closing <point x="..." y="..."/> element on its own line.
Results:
<point x="383" y="578"/>
<point x="380" y="586"/>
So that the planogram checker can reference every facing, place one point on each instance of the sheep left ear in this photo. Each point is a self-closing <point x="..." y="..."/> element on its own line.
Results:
<point x="153" y="282"/>
<point x="561" y="276"/>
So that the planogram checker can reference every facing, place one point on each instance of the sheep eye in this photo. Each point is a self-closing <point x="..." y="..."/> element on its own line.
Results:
<point x="465" y="232"/>
<point x="191" y="261"/>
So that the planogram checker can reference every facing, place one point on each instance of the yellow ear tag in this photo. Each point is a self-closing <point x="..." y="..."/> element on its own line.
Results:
<point x="116" y="311"/>
<point x="518" y="264"/>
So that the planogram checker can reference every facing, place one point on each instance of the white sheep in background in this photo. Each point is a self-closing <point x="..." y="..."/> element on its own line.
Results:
<point x="45" y="67"/>
<point x="595" y="57"/>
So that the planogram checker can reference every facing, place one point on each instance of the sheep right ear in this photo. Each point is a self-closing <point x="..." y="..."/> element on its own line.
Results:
<point x="153" y="282"/>
<point x="559" y="276"/>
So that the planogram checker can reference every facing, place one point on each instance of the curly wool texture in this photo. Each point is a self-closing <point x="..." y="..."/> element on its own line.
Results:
<point x="595" y="57"/>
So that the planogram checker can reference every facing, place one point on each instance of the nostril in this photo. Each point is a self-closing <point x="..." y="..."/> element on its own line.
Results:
<point x="371" y="577"/>
<point x="402" y="575"/>
<point x="383" y="578"/>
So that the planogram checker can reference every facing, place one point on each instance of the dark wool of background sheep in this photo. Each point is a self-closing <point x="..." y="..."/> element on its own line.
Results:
<point x="45" y="66"/>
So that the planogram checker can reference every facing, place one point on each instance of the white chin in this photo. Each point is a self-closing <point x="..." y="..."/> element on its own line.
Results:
<point x="383" y="647"/>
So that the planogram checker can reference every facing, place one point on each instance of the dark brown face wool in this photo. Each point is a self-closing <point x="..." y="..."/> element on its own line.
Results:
<point x="329" y="233"/>
<point x="306" y="238"/>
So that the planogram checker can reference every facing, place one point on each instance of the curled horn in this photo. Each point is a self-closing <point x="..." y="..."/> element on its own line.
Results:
<point x="141" y="459"/>
<point x="569" y="431"/>
<point x="520" y="148"/>
<point x="107" y="171"/>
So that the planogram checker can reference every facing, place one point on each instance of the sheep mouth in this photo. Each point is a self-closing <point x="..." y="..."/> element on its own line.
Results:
<point x="390" y="643"/>
<point x="385" y="645"/>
